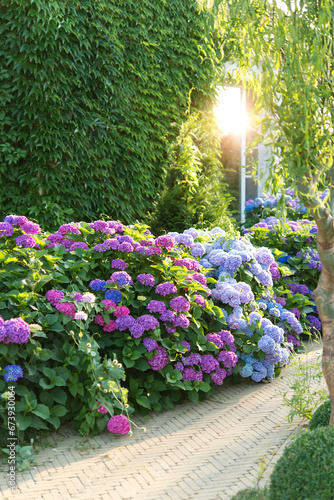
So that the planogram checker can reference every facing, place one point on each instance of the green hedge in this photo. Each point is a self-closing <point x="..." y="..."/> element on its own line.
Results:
<point x="88" y="91"/>
<point x="321" y="416"/>
<point x="305" y="471"/>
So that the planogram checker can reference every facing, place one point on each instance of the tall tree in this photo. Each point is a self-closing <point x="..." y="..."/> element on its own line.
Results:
<point x="285" y="52"/>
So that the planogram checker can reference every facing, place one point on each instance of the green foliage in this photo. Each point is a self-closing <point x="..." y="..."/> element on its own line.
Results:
<point x="321" y="416"/>
<point x="252" y="494"/>
<point x="307" y="391"/>
<point x="24" y="457"/>
<point x="284" y="51"/>
<point x="195" y="190"/>
<point x="306" y="468"/>
<point x="88" y="91"/>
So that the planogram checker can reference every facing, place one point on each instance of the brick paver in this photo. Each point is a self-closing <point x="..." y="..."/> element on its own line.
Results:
<point x="205" y="451"/>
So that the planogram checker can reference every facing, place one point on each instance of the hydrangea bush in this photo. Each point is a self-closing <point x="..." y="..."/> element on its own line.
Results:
<point x="99" y="319"/>
<point x="294" y="246"/>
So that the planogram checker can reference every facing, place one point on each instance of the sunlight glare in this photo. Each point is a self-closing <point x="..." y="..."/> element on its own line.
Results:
<point x="230" y="114"/>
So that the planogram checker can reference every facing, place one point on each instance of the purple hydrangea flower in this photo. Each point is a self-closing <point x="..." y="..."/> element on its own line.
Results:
<point x="182" y="321"/>
<point x="137" y="330"/>
<point x="78" y="244"/>
<point x="125" y="322"/>
<point x="184" y="239"/>
<point x="193" y="359"/>
<point x="119" y="264"/>
<point x="218" y="376"/>
<point x="209" y="363"/>
<point x="166" y="288"/>
<point x="14" y="331"/>
<point x="118" y="424"/>
<point x="16" y="220"/>
<point x="146" y="279"/>
<point x="125" y="247"/>
<point x="68" y="308"/>
<point x="6" y="229"/>
<point x="150" y="344"/>
<point x="168" y="315"/>
<point x="26" y="241"/>
<point x="30" y="228"/>
<point x="156" y="306"/>
<point x="69" y="228"/>
<point x="191" y="374"/>
<point x="165" y="241"/>
<point x="200" y="300"/>
<point x="54" y="296"/>
<point x="228" y="358"/>
<point x="190" y="264"/>
<point x="179" y="304"/>
<point x="159" y="360"/>
<point x="148" y="322"/>
<point x="197" y="250"/>
<point x="215" y="339"/>
<point x="121" y="278"/>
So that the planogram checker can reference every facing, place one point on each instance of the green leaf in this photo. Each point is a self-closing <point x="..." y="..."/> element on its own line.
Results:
<point x="41" y="411"/>
<point x="143" y="401"/>
<point x="193" y="396"/>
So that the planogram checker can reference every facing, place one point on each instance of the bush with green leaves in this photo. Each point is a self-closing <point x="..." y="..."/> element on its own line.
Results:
<point x="111" y="316"/>
<point x="321" y="416"/>
<point x="306" y="468"/>
<point x="195" y="190"/>
<point x="88" y="92"/>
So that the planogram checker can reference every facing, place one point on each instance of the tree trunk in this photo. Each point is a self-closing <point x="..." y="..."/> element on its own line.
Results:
<point x="324" y="293"/>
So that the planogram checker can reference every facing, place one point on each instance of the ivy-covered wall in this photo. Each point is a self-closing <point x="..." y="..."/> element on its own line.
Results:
<point x="88" y="91"/>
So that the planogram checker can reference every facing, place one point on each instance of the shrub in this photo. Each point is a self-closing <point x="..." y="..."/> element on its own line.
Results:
<point x="321" y="416"/>
<point x="88" y="93"/>
<point x="306" y="468"/>
<point x="98" y="316"/>
<point x="195" y="190"/>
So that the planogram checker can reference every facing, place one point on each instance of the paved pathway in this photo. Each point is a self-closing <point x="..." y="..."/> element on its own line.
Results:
<point x="203" y="451"/>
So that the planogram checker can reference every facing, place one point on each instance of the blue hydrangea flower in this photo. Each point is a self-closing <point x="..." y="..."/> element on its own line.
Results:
<point x="114" y="295"/>
<point x="14" y="372"/>
<point x="266" y="344"/>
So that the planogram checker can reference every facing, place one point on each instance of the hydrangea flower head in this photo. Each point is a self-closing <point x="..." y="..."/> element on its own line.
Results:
<point x="159" y="360"/>
<point x="165" y="288"/>
<point x="146" y="279"/>
<point x="165" y="241"/>
<point x="30" y="227"/>
<point x="118" y="424"/>
<point x="54" y="296"/>
<point x="81" y="315"/>
<point x="156" y="306"/>
<point x="6" y="229"/>
<point x="97" y="284"/>
<point x="182" y="321"/>
<point x="14" y="372"/>
<point x="197" y="250"/>
<point x="14" y="330"/>
<point x="179" y="304"/>
<point x="121" y="278"/>
<point x="88" y="298"/>
<point x="26" y="241"/>
<point x="68" y="308"/>
<point x="114" y="295"/>
<point x="69" y="228"/>
<point x="119" y="264"/>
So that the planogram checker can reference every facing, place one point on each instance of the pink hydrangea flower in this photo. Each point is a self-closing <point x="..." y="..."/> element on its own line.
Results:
<point x="118" y="424"/>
